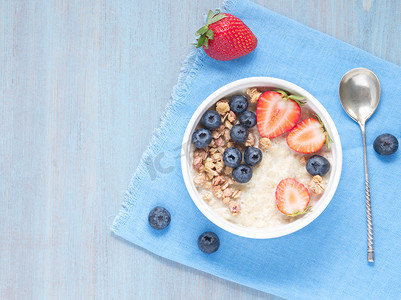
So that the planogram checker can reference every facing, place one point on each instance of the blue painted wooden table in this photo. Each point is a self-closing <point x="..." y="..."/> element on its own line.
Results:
<point x="82" y="86"/>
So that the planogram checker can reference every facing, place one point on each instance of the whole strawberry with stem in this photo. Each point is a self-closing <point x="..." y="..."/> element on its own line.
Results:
<point x="225" y="37"/>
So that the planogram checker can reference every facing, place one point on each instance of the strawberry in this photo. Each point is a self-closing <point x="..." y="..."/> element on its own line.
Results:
<point x="277" y="113"/>
<point x="292" y="197"/>
<point x="225" y="37"/>
<point x="308" y="136"/>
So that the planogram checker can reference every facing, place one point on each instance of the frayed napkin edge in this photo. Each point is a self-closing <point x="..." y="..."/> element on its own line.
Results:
<point x="188" y="72"/>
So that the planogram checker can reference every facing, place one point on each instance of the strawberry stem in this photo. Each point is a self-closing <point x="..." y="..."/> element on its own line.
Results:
<point x="328" y="139"/>
<point x="282" y="93"/>
<point x="205" y="33"/>
<point x="296" y="98"/>
<point x="298" y="213"/>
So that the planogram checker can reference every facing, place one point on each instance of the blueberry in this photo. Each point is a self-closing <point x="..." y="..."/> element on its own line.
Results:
<point x="239" y="133"/>
<point x="232" y="157"/>
<point x="385" y="144"/>
<point x="253" y="156"/>
<point x="238" y="103"/>
<point x="159" y="218"/>
<point x="248" y="119"/>
<point x="208" y="242"/>
<point x="317" y="165"/>
<point x="242" y="174"/>
<point x="201" y="138"/>
<point x="211" y="119"/>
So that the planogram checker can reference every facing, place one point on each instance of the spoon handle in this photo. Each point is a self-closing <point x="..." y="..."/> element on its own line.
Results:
<point x="371" y="257"/>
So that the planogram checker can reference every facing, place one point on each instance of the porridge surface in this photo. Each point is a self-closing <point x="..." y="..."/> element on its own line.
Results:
<point x="258" y="203"/>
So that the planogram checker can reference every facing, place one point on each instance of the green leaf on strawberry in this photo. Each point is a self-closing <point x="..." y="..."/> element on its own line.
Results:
<point x="206" y="44"/>
<point x="298" y="99"/>
<point x="281" y="92"/>
<point x="206" y="33"/>
<point x="216" y="18"/>
<point x="202" y="30"/>
<point x="210" y="15"/>
<point x="328" y="139"/>
<point x="201" y="41"/>
<point x="298" y="213"/>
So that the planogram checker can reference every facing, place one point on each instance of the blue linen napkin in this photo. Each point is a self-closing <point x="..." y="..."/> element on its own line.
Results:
<point x="324" y="260"/>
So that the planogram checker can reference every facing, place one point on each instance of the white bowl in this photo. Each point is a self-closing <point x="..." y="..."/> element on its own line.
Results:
<point x="240" y="86"/>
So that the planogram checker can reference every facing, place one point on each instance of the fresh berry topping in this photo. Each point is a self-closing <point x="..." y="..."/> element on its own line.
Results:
<point x="238" y="103"/>
<point x="317" y="165"/>
<point x="201" y="138"/>
<point x="385" y="144"/>
<point x="208" y="242"/>
<point x="277" y="113"/>
<point x="225" y="37"/>
<point x="242" y="174"/>
<point x="248" y="119"/>
<point x="232" y="157"/>
<point x="211" y="119"/>
<point x="159" y="218"/>
<point x="239" y="133"/>
<point x="253" y="156"/>
<point x="307" y="137"/>
<point x="292" y="197"/>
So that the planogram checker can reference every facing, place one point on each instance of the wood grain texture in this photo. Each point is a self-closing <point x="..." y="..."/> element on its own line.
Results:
<point x="82" y="86"/>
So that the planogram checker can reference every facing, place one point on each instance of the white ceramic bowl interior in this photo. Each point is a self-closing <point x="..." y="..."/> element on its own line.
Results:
<point x="240" y="86"/>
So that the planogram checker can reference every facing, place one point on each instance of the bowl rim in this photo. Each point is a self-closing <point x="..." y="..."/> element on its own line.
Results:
<point x="252" y="232"/>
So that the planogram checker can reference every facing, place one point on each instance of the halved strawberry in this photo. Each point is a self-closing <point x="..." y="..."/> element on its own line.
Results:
<point x="277" y="113"/>
<point x="292" y="197"/>
<point x="307" y="137"/>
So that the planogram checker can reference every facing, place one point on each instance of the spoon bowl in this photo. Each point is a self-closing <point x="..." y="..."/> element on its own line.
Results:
<point x="359" y="93"/>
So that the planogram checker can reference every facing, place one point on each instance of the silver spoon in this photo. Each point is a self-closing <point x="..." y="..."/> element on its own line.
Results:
<point x="360" y="95"/>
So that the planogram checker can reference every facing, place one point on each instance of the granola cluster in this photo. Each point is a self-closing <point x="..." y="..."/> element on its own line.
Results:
<point x="254" y="94"/>
<point x="265" y="143"/>
<point x="316" y="185"/>
<point x="208" y="162"/>
<point x="303" y="160"/>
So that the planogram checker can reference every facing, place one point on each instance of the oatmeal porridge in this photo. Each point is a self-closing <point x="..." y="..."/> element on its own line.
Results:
<point x="261" y="159"/>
